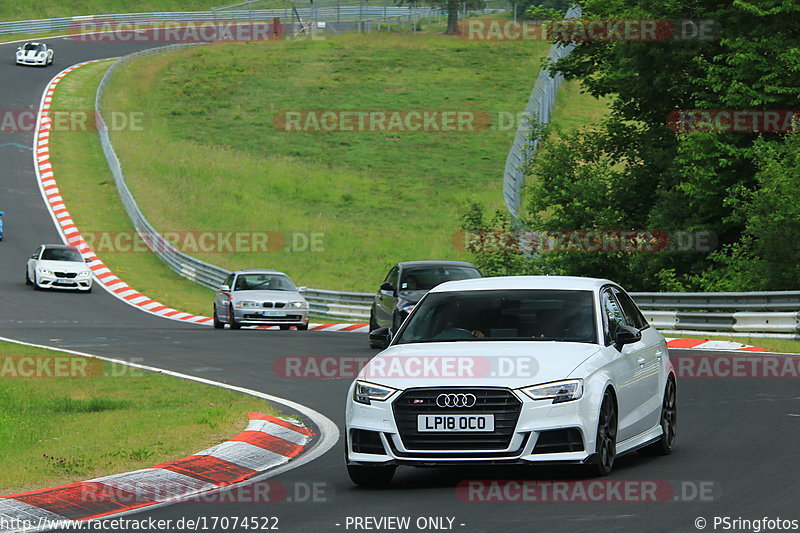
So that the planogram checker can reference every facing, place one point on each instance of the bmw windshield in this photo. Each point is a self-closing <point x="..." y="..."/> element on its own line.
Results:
<point x="263" y="282"/>
<point x="502" y="315"/>
<point x="62" y="254"/>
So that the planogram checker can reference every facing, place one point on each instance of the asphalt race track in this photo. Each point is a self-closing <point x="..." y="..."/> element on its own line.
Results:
<point x="737" y="438"/>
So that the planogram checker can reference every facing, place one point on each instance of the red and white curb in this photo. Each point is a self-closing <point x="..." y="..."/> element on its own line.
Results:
<point x="72" y="236"/>
<point x="268" y="442"/>
<point x="701" y="344"/>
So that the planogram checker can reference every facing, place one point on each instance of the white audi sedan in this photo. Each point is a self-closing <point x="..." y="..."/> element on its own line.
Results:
<point x="56" y="266"/>
<point x="513" y="370"/>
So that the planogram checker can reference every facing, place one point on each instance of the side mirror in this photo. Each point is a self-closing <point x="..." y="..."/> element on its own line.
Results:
<point x="626" y="335"/>
<point x="387" y="288"/>
<point x="225" y="288"/>
<point x="87" y="260"/>
<point x="380" y="338"/>
<point x="302" y="289"/>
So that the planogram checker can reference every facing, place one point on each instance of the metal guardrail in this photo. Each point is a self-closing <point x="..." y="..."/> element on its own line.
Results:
<point x="718" y="301"/>
<point x="672" y="311"/>
<point x="331" y="304"/>
<point x="736" y="312"/>
<point x="317" y="13"/>
<point x="539" y="108"/>
<point x="199" y="271"/>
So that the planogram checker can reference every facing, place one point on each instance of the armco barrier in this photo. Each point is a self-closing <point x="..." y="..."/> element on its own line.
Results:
<point x="319" y="13"/>
<point x="713" y="312"/>
<point x="348" y="306"/>
<point x="540" y="106"/>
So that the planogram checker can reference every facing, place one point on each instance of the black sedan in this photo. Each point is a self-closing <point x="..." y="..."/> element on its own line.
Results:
<point x="406" y="283"/>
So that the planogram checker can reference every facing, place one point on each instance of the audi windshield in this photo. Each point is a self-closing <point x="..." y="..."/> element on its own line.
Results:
<point x="502" y="315"/>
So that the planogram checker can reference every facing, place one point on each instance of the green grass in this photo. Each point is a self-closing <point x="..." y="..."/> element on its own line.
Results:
<point x="100" y="418"/>
<point x="576" y="110"/>
<point x="210" y="157"/>
<point x="91" y="196"/>
<point x="771" y="345"/>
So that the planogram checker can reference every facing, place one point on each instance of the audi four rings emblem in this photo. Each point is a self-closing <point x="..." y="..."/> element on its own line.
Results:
<point x="456" y="400"/>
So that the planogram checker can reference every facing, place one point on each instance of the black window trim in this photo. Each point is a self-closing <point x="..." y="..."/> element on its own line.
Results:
<point x="617" y="289"/>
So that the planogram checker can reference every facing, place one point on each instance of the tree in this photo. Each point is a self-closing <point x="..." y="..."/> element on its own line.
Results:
<point x="633" y="172"/>
<point x="451" y="7"/>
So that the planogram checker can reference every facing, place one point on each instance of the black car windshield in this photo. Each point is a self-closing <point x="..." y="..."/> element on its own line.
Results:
<point x="502" y="315"/>
<point x="61" y="254"/>
<point x="263" y="282"/>
<point x="36" y="47"/>
<point x="427" y="277"/>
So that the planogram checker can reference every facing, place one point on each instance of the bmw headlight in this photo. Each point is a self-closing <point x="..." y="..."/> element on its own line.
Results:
<point x="247" y="303"/>
<point x="365" y="391"/>
<point x="45" y="272"/>
<point x="84" y="274"/>
<point x="297" y="305"/>
<point x="558" y="391"/>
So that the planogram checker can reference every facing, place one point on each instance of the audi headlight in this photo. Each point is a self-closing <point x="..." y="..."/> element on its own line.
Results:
<point x="297" y="305"/>
<point x="45" y="272"/>
<point x="247" y="303"/>
<point x="365" y="391"/>
<point x="558" y="391"/>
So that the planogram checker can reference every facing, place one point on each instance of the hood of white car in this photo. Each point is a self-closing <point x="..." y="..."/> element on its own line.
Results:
<point x="63" y="266"/>
<point x="268" y="296"/>
<point x="510" y="364"/>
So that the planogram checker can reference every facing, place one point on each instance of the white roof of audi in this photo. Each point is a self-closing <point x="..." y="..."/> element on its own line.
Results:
<point x="524" y="282"/>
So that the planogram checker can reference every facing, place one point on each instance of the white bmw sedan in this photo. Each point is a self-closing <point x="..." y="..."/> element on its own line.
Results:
<point x="513" y="370"/>
<point x="56" y="266"/>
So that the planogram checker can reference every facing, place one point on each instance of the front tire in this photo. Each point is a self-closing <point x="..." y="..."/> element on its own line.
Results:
<point x="669" y="419"/>
<point x="36" y="285"/>
<point x="217" y="323"/>
<point x="284" y="327"/>
<point x="606" y="441"/>
<point x="231" y="319"/>
<point x="27" y="278"/>
<point x="302" y="327"/>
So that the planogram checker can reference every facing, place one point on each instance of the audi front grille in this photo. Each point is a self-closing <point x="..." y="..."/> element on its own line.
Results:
<point x="495" y="401"/>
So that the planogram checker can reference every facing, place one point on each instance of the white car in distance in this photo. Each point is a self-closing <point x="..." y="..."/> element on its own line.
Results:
<point x="34" y="54"/>
<point x="57" y="266"/>
<point x="513" y="370"/>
